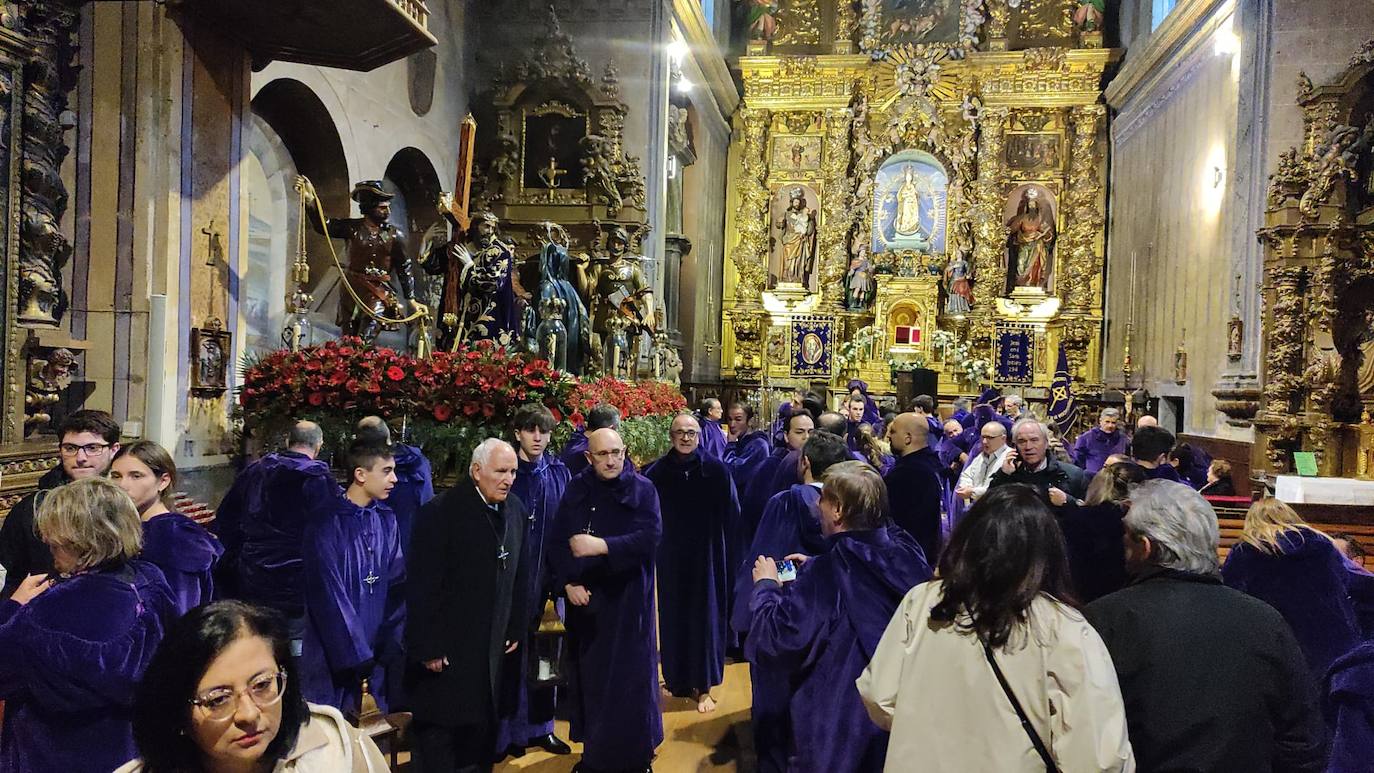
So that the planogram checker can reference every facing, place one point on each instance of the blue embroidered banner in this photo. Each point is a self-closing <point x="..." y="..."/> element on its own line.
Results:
<point x="1015" y="355"/>
<point x="811" y="340"/>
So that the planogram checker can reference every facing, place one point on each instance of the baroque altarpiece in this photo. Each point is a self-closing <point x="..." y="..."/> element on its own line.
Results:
<point x="918" y="187"/>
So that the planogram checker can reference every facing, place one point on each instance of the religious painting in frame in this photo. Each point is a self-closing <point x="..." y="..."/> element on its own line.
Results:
<point x="552" y="147"/>
<point x="910" y="200"/>
<point x="795" y="153"/>
<point x="895" y="22"/>
<point x="1014" y="353"/>
<point x="1034" y="151"/>
<point x="811" y="338"/>
<point x="210" y="353"/>
<point x="794" y="224"/>
<point x="1030" y="216"/>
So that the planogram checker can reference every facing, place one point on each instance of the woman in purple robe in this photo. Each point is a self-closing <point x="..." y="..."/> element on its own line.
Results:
<point x="184" y="551"/>
<point x="824" y="627"/>
<point x="1298" y="571"/>
<point x="76" y="643"/>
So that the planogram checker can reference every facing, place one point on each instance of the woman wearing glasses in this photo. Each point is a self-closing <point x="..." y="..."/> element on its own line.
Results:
<point x="222" y="694"/>
<point x="74" y="643"/>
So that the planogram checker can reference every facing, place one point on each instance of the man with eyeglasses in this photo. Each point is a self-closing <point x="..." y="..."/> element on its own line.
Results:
<point x="700" y="512"/>
<point x="89" y="442"/>
<point x="603" y="546"/>
<point x="973" y="481"/>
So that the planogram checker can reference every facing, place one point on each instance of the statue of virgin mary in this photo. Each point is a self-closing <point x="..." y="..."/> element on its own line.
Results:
<point x="908" y="220"/>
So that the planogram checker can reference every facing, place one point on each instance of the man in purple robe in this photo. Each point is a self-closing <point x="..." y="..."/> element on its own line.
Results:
<point x="747" y="448"/>
<point x="870" y="415"/>
<point x="961" y="412"/>
<point x="354" y="586"/>
<point x="261" y="522"/>
<point x="605" y="537"/>
<point x="924" y="406"/>
<point x="914" y="486"/>
<point x="712" y="436"/>
<point x="1150" y="448"/>
<point x="1093" y="447"/>
<point x="790" y="526"/>
<point x="953" y="453"/>
<point x="574" y="455"/>
<point x="777" y="473"/>
<point x="699" y="509"/>
<point x="1348" y="703"/>
<point x="853" y="417"/>
<point x="414" y="477"/>
<point x="822" y="631"/>
<point x="89" y="442"/>
<point x="539" y="483"/>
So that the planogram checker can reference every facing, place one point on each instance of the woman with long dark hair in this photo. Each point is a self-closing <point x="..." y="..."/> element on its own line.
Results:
<point x="223" y="694"/>
<point x="990" y="666"/>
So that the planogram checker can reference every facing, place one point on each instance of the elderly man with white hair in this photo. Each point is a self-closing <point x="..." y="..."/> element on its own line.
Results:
<point x="1094" y="447"/>
<point x="464" y="564"/>
<point x="1212" y="679"/>
<point x="1029" y="462"/>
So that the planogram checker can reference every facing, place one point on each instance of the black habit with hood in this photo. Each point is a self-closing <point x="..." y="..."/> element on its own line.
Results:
<point x="461" y="605"/>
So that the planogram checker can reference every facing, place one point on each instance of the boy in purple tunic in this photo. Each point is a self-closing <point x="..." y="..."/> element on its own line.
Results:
<point x="414" y="477"/>
<point x="823" y="629"/>
<point x="540" y="481"/>
<point x="605" y="536"/>
<point x="1093" y="447"/>
<point x="184" y="551"/>
<point x="790" y="527"/>
<point x="699" y="509"/>
<point x="261" y="523"/>
<point x="354" y="593"/>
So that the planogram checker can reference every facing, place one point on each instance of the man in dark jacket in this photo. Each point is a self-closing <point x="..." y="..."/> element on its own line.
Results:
<point x="1211" y="678"/>
<point x="89" y="442"/>
<point x="914" y="486"/>
<point x="463" y="616"/>
<point x="1029" y="462"/>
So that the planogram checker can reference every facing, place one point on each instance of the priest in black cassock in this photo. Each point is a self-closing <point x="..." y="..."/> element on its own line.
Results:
<point x="605" y="537"/>
<point x="700" y="508"/>
<point x="464" y="619"/>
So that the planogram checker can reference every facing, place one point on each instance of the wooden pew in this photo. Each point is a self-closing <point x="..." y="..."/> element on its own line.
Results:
<point x="1358" y="522"/>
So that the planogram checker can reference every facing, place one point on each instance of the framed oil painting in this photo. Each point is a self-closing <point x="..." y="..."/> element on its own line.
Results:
<point x="910" y="198"/>
<point x="210" y="353"/>
<point x="795" y="153"/>
<point x="894" y="22"/>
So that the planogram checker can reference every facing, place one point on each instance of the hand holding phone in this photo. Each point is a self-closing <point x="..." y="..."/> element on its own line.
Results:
<point x="787" y="570"/>
<point x="1010" y="462"/>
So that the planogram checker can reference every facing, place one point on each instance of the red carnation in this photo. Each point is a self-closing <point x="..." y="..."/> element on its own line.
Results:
<point x="395" y="373"/>
<point x="315" y="398"/>
<point x="443" y="412"/>
<point x="576" y="418"/>
<point x="557" y="414"/>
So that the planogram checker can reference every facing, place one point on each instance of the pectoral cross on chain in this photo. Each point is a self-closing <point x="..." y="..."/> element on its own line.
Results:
<point x="370" y="579"/>
<point x="502" y="554"/>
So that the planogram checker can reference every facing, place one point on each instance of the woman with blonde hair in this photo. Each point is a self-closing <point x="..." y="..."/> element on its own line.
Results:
<point x="1299" y="571"/>
<point x="184" y="551"/>
<point x="76" y="641"/>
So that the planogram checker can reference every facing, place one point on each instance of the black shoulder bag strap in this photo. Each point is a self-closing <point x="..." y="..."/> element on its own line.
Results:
<point x="1021" y="714"/>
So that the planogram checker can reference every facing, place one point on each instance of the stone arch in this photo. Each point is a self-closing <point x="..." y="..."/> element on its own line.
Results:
<point x="411" y="176"/>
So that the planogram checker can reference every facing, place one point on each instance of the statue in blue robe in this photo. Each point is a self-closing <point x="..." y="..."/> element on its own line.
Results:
<point x="699" y="510"/>
<point x="261" y="522"/>
<point x="186" y="553"/>
<point x="612" y="658"/>
<point x="72" y="658"/>
<point x="539" y="484"/>
<point x="822" y="630"/>
<point x="355" y="603"/>
<point x="414" y="487"/>
<point x="555" y="281"/>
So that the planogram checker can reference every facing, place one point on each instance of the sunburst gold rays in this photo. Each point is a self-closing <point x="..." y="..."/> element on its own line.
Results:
<point x="915" y="70"/>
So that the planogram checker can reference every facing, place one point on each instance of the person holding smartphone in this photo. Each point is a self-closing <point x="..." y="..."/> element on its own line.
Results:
<point x="1029" y="462"/>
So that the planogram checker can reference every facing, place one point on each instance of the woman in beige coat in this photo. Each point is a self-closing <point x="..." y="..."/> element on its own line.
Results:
<point x="221" y="696"/>
<point x="989" y="667"/>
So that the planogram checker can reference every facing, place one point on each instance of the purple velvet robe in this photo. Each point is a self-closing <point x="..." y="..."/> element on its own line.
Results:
<point x="572" y="454"/>
<point x="414" y="487"/>
<point x="612" y="657"/>
<point x="822" y="630"/>
<point x="355" y="603"/>
<point x="713" y="440"/>
<point x="1322" y="595"/>
<point x="965" y="418"/>
<point x="539" y="485"/>
<point x="1348" y="703"/>
<point x="756" y="492"/>
<point x="1091" y="449"/>
<point x="699" y="508"/>
<point x="261" y="522"/>
<point x="743" y="456"/>
<point x="790" y="524"/>
<point x="72" y="658"/>
<point x="186" y="553"/>
<point x="1164" y="472"/>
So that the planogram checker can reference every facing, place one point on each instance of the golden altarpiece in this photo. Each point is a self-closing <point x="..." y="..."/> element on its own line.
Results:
<point x="1318" y="383"/>
<point x="918" y="189"/>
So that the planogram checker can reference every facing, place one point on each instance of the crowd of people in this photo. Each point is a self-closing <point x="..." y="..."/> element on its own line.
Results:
<point x="912" y="592"/>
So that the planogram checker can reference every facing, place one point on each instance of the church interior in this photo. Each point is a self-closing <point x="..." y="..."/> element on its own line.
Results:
<point x="221" y="217"/>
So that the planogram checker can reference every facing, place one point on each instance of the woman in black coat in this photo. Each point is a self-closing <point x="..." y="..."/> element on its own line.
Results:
<point x="1092" y="531"/>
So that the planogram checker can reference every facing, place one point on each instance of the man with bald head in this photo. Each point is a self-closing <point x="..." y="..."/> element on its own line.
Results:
<point x="261" y="522"/>
<point x="700" y="512"/>
<point x="1146" y="421"/>
<point x="977" y="474"/>
<point x="465" y="612"/>
<point x="604" y="542"/>
<point x="915" y="486"/>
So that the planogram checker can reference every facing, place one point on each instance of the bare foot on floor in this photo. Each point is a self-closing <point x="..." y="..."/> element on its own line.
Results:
<point x="705" y="704"/>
